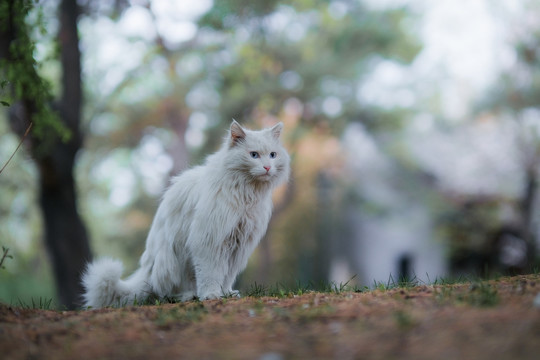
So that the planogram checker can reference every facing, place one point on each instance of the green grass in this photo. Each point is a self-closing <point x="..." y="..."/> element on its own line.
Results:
<point x="478" y="294"/>
<point x="404" y="321"/>
<point x="282" y="291"/>
<point x="41" y="303"/>
<point x="392" y="283"/>
<point x="481" y="294"/>
<point x="26" y="287"/>
<point x="184" y="313"/>
<point x="405" y="283"/>
<point x="279" y="290"/>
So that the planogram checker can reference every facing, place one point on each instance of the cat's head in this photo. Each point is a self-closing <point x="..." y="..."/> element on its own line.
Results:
<point x="258" y="155"/>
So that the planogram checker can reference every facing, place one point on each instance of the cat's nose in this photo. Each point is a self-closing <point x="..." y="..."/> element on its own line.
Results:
<point x="267" y="168"/>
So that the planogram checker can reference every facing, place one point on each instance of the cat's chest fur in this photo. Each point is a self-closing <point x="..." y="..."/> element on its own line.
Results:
<point x="248" y="213"/>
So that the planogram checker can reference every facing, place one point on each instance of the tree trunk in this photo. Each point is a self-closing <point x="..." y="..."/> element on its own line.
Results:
<point x="65" y="233"/>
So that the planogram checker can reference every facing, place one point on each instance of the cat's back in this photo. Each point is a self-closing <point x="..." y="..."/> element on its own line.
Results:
<point x="194" y="183"/>
<point x="187" y="182"/>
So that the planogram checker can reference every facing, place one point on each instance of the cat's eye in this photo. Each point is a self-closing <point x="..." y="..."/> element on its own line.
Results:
<point x="254" y="154"/>
<point x="273" y="155"/>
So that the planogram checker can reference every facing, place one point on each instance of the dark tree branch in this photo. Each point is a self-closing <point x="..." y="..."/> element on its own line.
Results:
<point x="17" y="148"/>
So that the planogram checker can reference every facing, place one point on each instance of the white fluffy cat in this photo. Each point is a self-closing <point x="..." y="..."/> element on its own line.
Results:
<point x="208" y="223"/>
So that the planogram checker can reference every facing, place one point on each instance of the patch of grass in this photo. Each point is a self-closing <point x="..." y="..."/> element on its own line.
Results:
<point x="402" y="283"/>
<point x="444" y="294"/>
<point x="185" y="313"/>
<point x="41" y="304"/>
<point x="257" y="308"/>
<point x="280" y="291"/>
<point x="482" y="295"/>
<point x="479" y="294"/>
<point x="230" y="295"/>
<point x="280" y="312"/>
<point x="414" y="281"/>
<point x="24" y="286"/>
<point x="403" y="320"/>
<point x="450" y="280"/>
<point x="257" y="290"/>
<point x="151" y="300"/>
<point x="302" y="313"/>
<point x="307" y="312"/>
<point x="301" y="288"/>
<point x="335" y="288"/>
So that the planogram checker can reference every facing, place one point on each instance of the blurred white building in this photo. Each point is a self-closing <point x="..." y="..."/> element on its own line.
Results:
<point x="393" y="210"/>
<point x="391" y="229"/>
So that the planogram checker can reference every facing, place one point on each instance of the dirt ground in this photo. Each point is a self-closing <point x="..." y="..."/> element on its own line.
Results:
<point x="499" y="319"/>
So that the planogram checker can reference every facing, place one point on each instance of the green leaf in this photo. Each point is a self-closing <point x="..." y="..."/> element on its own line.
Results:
<point x="5" y="103"/>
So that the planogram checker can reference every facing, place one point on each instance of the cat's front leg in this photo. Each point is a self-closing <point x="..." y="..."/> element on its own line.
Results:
<point x="238" y="263"/>
<point x="209" y="288"/>
<point x="228" y="283"/>
<point x="214" y="286"/>
<point x="210" y="277"/>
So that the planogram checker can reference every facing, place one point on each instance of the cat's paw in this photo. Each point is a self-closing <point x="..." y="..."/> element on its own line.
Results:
<point x="232" y="294"/>
<point x="211" y="295"/>
<point x="220" y="294"/>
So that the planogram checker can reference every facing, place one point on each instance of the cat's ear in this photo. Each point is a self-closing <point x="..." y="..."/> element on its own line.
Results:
<point x="237" y="133"/>
<point x="276" y="130"/>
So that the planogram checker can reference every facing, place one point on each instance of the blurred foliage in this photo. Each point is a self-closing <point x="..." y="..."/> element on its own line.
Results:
<point x="519" y="86"/>
<point x="305" y="53"/>
<point x="225" y="14"/>
<point x="19" y="69"/>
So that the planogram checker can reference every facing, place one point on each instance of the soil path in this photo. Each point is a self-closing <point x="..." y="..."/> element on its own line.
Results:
<point x="498" y="319"/>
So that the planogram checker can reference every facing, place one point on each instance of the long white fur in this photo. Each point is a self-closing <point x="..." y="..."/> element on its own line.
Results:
<point x="209" y="221"/>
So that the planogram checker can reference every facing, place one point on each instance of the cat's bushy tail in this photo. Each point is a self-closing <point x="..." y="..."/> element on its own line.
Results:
<point x="104" y="287"/>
